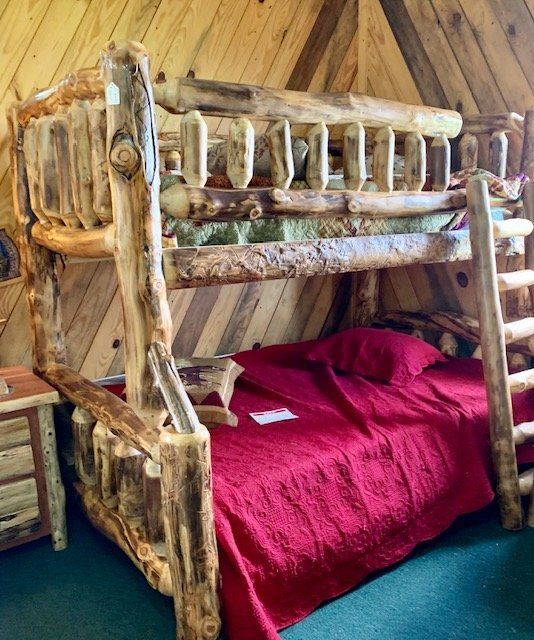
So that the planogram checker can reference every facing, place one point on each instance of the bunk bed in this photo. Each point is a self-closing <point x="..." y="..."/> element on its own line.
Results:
<point x="86" y="182"/>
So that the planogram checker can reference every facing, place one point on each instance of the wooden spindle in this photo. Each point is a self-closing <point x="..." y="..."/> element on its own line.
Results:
<point x="173" y="161"/>
<point x="66" y="202"/>
<point x="32" y="171"/>
<point x="354" y="170"/>
<point x="240" y="158"/>
<point x="440" y="163"/>
<point x="99" y="162"/>
<point x="468" y="148"/>
<point x="153" y="509"/>
<point x="129" y="482"/>
<point x="498" y="153"/>
<point x="194" y="136"/>
<point x="48" y="170"/>
<point x="383" y="156"/>
<point x="280" y="154"/>
<point x="83" y="424"/>
<point x="104" y="445"/>
<point x="414" y="161"/>
<point x="317" y="159"/>
<point x="80" y="164"/>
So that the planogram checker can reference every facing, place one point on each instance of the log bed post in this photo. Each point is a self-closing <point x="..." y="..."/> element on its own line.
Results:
<point x="187" y="503"/>
<point x="132" y="149"/>
<point x="38" y="265"/>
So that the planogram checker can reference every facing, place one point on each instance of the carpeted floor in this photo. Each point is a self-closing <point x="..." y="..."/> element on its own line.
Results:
<point x="474" y="583"/>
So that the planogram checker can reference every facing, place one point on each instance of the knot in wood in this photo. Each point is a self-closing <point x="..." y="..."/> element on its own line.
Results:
<point x="124" y="157"/>
<point x="255" y="212"/>
<point x="209" y="628"/>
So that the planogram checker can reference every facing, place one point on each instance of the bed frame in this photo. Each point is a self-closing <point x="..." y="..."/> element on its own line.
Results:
<point x="85" y="164"/>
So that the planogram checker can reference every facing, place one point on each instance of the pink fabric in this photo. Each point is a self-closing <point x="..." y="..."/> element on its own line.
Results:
<point x="388" y="356"/>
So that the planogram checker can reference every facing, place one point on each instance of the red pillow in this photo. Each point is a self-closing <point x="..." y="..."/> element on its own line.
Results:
<point x="387" y="356"/>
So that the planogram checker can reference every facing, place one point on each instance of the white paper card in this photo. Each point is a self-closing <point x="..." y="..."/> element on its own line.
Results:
<point x="276" y="415"/>
<point x="113" y="94"/>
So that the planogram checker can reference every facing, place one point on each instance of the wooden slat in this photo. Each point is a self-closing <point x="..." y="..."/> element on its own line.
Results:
<point x="383" y="153"/>
<point x="515" y="280"/>
<point x="354" y="171"/>
<point x="317" y="158"/>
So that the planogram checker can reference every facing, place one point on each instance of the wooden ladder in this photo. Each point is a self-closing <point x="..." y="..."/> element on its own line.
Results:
<point x="495" y="334"/>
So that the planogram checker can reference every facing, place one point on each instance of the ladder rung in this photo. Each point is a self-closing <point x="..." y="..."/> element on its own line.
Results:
<point x="526" y="480"/>
<point x="518" y="329"/>
<point x="512" y="227"/>
<point x="521" y="381"/>
<point x="523" y="432"/>
<point x="515" y="279"/>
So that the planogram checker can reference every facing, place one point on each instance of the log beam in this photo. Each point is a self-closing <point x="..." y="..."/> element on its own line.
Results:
<point x="97" y="242"/>
<point x="488" y="123"/>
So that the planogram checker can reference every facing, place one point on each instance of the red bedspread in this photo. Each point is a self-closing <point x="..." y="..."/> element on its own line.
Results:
<point x="305" y="509"/>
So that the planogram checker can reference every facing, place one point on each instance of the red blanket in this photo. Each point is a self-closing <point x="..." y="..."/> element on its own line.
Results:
<point x="305" y="509"/>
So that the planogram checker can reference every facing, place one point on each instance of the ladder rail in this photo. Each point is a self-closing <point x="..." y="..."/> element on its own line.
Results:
<point x="492" y="341"/>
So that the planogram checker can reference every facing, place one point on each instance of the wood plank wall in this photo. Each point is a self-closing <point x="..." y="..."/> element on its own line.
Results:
<point x="410" y="50"/>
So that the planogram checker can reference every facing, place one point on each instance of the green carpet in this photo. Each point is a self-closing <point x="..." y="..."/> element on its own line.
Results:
<point x="476" y="582"/>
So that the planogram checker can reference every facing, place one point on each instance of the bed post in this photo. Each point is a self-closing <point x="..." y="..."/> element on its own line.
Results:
<point x="38" y="265"/>
<point x="365" y="297"/>
<point x="132" y="149"/>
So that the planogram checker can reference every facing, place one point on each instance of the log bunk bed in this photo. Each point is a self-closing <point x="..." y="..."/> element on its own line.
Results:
<point x="85" y="166"/>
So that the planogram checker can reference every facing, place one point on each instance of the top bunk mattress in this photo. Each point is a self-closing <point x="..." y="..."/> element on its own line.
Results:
<point x="306" y="508"/>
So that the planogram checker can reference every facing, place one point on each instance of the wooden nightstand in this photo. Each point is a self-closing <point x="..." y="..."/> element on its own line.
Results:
<point x="32" y="497"/>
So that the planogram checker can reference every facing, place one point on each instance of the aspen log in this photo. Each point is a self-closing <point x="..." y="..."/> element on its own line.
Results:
<point x="354" y="169"/>
<point x="173" y="161"/>
<point x="468" y="147"/>
<point x="414" y="161"/>
<point x="99" y="161"/>
<point x="224" y="205"/>
<point x="240" y="160"/>
<point x="205" y="266"/>
<point x="97" y="242"/>
<point x="527" y="155"/>
<point x="38" y="264"/>
<point x="194" y="135"/>
<point x="317" y="158"/>
<point x="383" y="155"/>
<point x="80" y="164"/>
<point x="48" y="169"/>
<point x="488" y="123"/>
<point x="134" y="180"/>
<point x="32" y="172"/>
<point x="66" y="202"/>
<point x="104" y="445"/>
<point x="129" y="482"/>
<point x="512" y="227"/>
<point x="494" y="355"/>
<point x="227" y="99"/>
<point x="153" y="509"/>
<point x="83" y="424"/>
<point x="440" y="163"/>
<point x="281" y="154"/>
<point x="526" y="482"/>
<point x="498" y="153"/>
<point x="366" y="297"/>
<point x="521" y="381"/>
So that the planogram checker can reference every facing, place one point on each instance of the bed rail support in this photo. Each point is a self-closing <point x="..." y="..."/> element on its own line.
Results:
<point x="132" y="150"/>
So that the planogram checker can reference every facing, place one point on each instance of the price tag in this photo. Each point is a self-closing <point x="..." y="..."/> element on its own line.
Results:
<point x="113" y="94"/>
<point x="276" y="415"/>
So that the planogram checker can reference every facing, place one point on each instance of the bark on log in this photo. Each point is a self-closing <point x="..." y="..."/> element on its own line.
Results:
<point x="317" y="158"/>
<point x="134" y="179"/>
<point x="488" y="123"/>
<point x="194" y="135"/>
<point x="354" y="169"/>
<point x="414" y="161"/>
<point x="80" y="163"/>
<point x="131" y="541"/>
<point x="223" y="205"/>
<point x="97" y="242"/>
<point x="383" y="155"/>
<point x="240" y="150"/>
<point x="104" y="445"/>
<point x="204" y="266"/>
<point x="440" y="163"/>
<point x="498" y="153"/>
<point x="212" y="97"/>
<point x="129" y="481"/>
<point x="468" y="147"/>
<point x="99" y="161"/>
<point x="280" y="154"/>
<point x="106" y="407"/>
<point x="66" y="202"/>
<point x="494" y="355"/>
<point x="38" y="265"/>
<point x="83" y="424"/>
<point x="32" y="172"/>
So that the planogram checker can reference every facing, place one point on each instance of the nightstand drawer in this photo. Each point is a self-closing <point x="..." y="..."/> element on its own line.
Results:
<point x="18" y="495"/>
<point x="14" y="432"/>
<point x="16" y="462"/>
<point x="19" y="524"/>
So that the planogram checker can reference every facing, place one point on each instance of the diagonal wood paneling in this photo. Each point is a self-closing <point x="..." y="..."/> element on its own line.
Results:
<point x="469" y="54"/>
